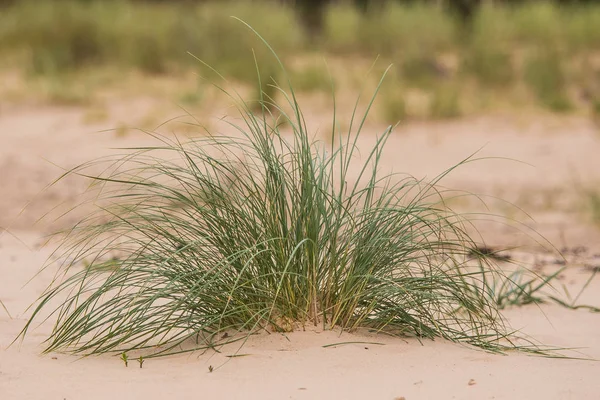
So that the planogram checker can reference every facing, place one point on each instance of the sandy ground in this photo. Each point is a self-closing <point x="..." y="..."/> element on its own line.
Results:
<point x="562" y="154"/>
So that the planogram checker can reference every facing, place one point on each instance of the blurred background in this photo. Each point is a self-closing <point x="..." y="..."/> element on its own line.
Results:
<point x="517" y="78"/>
<point x="451" y="57"/>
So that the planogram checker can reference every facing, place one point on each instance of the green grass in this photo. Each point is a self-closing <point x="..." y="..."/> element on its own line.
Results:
<point x="60" y="91"/>
<point x="545" y="73"/>
<point x="540" y="24"/>
<point x="312" y="79"/>
<point x="420" y="69"/>
<point x="596" y="110"/>
<point x="503" y="50"/>
<point x="191" y="98"/>
<point x="67" y="35"/>
<point x="488" y="50"/>
<point x="393" y="107"/>
<point x="491" y="65"/>
<point x="262" y="231"/>
<point x="593" y="200"/>
<point x="396" y="29"/>
<point x="445" y="103"/>
<point x="523" y="287"/>
<point x="5" y="309"/>
<point x="544" y="24"/>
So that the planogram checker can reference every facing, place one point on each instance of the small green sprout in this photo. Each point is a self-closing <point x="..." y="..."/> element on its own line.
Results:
<point x="141" y="361"/>
<point x="125" y="359"/>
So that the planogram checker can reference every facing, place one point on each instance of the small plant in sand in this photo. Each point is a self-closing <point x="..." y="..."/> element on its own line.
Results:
<point x="523" y="287"/>
<point x="266" y="231"/>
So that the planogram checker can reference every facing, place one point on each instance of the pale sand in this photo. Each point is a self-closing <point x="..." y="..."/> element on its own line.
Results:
<point x="297" y="366"/>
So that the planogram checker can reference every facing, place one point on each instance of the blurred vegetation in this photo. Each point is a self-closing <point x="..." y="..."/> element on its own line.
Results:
<point x="544" y="71"/>
<point x="550" y="48"/>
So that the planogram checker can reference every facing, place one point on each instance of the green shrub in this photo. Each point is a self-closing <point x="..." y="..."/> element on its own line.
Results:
<point x="263" y="231"/>
<point x="215" y="38"/>
<point x="192" y="97"/>
<point x="445" y="102"/>
<point x="146" y="38"/>
<point x="395" y="29"/>
<point x="342" y="29"/>
<point x="596" y="109"/>
<point x="545" y="73"/>
<point x="488" y="50"/>
<point x="538" y="24"/>
<point x="493" y="25"/>
<point x="420" y="69"/>
<point x="393" y="105"/>
<point x="61" y="92"/>
<point x="592" y="198"/>
<point x="61" y="36"/>
<point x="491" y="66"/>
<point x="57" y="38"/>
<point x="311" y="79"/>
<point x="581" y="27"/>
<point x="65" y="34"/>
<point x="549" y="25"/>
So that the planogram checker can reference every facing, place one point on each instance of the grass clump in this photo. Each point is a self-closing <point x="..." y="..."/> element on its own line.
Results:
<point x="264" y="230"/>
<point x="523" y="287"/>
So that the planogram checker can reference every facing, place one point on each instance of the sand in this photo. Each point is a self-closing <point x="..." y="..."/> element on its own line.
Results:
<point x="563" y="157"/>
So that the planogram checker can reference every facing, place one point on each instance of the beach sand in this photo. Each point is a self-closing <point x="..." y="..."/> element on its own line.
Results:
<point x="562" y="154"/>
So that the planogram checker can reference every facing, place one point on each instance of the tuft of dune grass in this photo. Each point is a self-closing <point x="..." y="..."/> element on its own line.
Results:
<point x="266" y="231"/>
